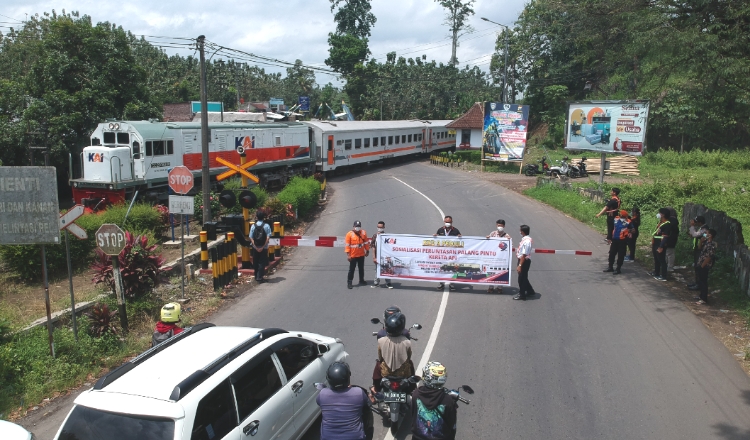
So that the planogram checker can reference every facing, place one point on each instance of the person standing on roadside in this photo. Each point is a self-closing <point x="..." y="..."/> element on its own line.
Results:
<point x="619" y="245"/>
<point x="635" y="223"/>
<point x="658" y="245"/>
<point x="260" y="234"/>
<point x="524" y="263"/>
<point x="447" y="231"/>
<point x="672" y="242"/>
<point x="374" y="247"/>
<point x="705" y="263"/>
<point x="498" y="233"/>
<point x="611" y="208"/>
<point x="357" y="248"/>
<point x="696" y="231"/>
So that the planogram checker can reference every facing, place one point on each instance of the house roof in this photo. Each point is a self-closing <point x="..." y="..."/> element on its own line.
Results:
<point x="474" y="118"/>
<point x="258" y="106"/>
<point x="178" y="112"/>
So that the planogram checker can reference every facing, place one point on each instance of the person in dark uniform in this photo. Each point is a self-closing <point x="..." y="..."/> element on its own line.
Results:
<point x="447" y="231"/>
<point x="697" y="229"/>
<point x="619" y="245"/>
<point x="611" y="209"/>
<point x="635" y="224"/>
<point x="659" y="245"/>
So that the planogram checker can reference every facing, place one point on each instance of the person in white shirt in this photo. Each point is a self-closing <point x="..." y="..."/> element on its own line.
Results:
<point x="524" y="263"/>
<point x="498" y="233"/>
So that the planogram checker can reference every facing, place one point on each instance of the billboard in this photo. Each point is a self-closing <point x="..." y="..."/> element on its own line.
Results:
<point x="461" y="260"/>
<point x="195" y="106"/>
<point x="607" y="126"/>
<point x="504" y="131"/>
<point x="304" y="103"/>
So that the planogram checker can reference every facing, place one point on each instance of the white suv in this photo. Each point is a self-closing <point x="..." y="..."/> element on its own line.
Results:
<point x="210" y="383"/>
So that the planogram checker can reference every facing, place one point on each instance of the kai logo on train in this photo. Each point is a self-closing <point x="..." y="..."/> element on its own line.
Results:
<point x="245" y="142"/>
<point x="96" y="157"/>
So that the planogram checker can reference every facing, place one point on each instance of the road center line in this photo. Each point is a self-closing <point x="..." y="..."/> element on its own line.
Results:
<point x="441" y="311"/>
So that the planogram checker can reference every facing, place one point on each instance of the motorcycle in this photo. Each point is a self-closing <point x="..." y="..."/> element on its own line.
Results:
<point x="532" y="169"/>
<point x="394" y="401"/>
<point x="560" y="170"/>
<point x="582" y="167"/>
<point x="578" y="169"/>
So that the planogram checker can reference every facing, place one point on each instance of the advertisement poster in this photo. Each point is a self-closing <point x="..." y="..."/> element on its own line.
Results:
<point x="607" y="126"/>
<point x="460" y="260"/>
<point x="504" y="131"/>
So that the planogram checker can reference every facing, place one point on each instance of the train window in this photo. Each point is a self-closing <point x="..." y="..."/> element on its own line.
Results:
<point x="375" y="141"/>
<point x="109" y="137"/>
<point x="170" y="147"/>
<point x="357" y="143"/>
<point x="123" y="138"/>
<point x="158" y="148"/>
<point x="136" y="150"/>
<point x="390" y="140"/>
<point x="420" y="137"/>
<point x="398" y="140"/>
<point x="403" y="138"/>
<point x="96" y="141"/>
<point x="382" y="141"/>
<point x="149" y="148"/>
<point x="409" y="138"/>
<point x="278" y="140"/>
<point x="348" y="144"/>
<point x="367" y="142"/>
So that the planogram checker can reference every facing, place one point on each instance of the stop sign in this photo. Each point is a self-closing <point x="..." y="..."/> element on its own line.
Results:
<point x="180" y="180"/>
<point x="110" y="239"/>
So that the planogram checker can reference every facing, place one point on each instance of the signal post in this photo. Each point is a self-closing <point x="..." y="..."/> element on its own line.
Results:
<point x="247" y="262"/>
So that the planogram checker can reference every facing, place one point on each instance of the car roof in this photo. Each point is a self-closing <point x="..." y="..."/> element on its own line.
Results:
<point x="11" y="431"/>
<point x="157" y="376"/>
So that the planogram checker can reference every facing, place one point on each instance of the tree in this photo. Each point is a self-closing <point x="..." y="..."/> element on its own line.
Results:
<point x="456" y="18"/>
<point x="353" y="18"/>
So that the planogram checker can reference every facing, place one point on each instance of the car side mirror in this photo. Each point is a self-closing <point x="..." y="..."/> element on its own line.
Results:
<point x="375" y="321"/>
<point x="415" y="379"/>
<point x="417" y="326"/>
<point x="323" y="348"/>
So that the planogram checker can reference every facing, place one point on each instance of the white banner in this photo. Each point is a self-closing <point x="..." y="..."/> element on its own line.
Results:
<point x="460" y="260"/>
<point x="181" y="205"/>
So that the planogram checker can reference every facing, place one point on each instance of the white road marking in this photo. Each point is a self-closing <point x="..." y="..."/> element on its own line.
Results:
<point x="441" y="311"/>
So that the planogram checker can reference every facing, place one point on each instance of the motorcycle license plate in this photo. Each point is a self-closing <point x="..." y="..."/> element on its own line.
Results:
<point x="390" y="397"/>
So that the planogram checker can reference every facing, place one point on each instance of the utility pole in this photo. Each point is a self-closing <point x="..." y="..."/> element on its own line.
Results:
<point x="505" y="64"/>
<point x="205" y="172"/>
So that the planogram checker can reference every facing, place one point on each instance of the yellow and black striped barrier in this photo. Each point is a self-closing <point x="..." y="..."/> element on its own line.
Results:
<point x="223" y="261"/>
<point x="204" y="249"/>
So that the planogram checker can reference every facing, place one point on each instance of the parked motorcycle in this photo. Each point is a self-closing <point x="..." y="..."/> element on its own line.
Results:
<point x="560" y="170"/>
<point x="578" y="169"/>
<point x="582" y="167"/>
<point x="533" y="169"/>
<point x="394" y="401"/>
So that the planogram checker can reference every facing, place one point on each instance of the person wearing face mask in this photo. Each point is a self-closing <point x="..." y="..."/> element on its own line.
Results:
<point x="447" y="231"/>
<point x="659" y="245"/>
<point x="374" y="247"/>
<point x="635" y="224"/>
<point x="611" y="208"/>
<point x="497" y="233"/>
<point x="697" y="232"/>
<point x="260" y="234"/>
<point x="357" y="248"/>
<point x="705" y="263"/>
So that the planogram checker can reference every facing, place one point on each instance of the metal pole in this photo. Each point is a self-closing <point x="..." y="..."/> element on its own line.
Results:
<point x="505" y="75"/>
<point x="45" y="281"/>
<point x="205" y="172"/>
<point x="182" y="227"/>
<point x="70" y="281"/>
<point x="120" y="293"/>
<point x="601" y="170"/>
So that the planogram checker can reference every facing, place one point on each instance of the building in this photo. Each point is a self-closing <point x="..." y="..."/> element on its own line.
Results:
<point x="177" y="112"/>
<point x="469" y="128"/>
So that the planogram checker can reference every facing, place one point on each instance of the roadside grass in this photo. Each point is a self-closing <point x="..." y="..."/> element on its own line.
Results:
<point x="28" y="374"/>
<point x="722" y="276"/>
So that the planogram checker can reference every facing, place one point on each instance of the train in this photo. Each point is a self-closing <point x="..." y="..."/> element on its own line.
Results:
<point x="128" y="156"/>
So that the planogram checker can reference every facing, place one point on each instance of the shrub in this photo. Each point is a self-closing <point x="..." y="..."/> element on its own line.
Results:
<point x="215" y="205"/>
<point x="302" y="193"/>
<point x="140" y="267"/>
<point x="101" y="320"/>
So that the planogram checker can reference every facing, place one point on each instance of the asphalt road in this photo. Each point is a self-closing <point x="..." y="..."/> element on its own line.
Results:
<point x="592" y="356"/>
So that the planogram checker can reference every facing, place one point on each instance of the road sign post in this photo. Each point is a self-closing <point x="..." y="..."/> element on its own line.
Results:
<point x="66" y="221"/>
<point x="181" y="182"/>
<point x="111" y="240"/>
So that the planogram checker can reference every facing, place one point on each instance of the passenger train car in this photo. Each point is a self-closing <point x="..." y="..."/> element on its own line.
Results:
<point x="125" y="156"/>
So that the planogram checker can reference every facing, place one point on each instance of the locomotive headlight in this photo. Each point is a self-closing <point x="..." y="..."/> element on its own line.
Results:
<point x="76" y="184"/>
<point x="111" y="187"/>
<point x="117" y="126"/>
<point x="111" y="126"/>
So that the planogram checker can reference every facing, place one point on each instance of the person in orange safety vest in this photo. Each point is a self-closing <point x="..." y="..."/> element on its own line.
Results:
<point x="357" y="248"/>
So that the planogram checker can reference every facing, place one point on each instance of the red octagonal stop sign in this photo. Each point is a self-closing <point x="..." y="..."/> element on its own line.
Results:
<point x="180" y="180"/>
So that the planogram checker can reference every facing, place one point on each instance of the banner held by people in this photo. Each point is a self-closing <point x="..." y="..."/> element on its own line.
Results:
<point x="460" y="260"/>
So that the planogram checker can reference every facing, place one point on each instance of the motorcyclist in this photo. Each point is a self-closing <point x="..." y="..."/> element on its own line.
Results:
<point x="346" y="413"/>
<point x="167" y="326"/>
<point x="433" y="410"/>
<point x="394" y="350"/>
<point x="388" y="312"/>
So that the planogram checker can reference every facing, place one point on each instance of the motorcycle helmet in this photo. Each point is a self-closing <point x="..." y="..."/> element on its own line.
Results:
<point x="338" y="375"/>
<point x="170" y="312"/>
<point x="390" y="311"/>
<point x="434" y="374"/>
<point x="395" y="324"/>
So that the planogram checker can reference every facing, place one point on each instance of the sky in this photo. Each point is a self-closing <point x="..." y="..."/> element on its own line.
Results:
<point x="287" y="30"/>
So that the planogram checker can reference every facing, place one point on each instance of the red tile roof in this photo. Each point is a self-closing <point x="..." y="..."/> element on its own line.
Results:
<point x="474" y="118"/>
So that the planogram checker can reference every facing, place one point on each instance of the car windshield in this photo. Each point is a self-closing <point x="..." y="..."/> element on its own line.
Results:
<point x="92" y="424"/>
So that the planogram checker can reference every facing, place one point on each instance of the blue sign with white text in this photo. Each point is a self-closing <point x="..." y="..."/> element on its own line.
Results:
<point x="304" y="103"/>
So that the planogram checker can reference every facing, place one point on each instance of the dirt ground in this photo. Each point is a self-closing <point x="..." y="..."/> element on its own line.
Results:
<point x="728" y="326"/>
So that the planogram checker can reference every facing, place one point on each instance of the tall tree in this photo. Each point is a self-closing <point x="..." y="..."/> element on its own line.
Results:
<point x="457" y="13"/>
<point x="353" y="17"/>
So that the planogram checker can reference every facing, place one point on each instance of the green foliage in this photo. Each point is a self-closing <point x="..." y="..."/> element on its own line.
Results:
<point x="102" y="320"/>
<point x="275" y="207"/>
<point x="353" y="17"/>
<point x="457" y="13"/>
<point x="28" y="373"/>
<point x="571" y="203"/>
<point x="215" y="205"/>
<point x="302" y="193"/>
<point x="140" y="267"/>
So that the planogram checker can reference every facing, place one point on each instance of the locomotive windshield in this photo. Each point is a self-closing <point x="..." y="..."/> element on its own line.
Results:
<point x="122" y="138"/>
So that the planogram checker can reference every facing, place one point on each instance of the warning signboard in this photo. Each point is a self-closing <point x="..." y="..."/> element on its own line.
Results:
<point x="29" y="211"/>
